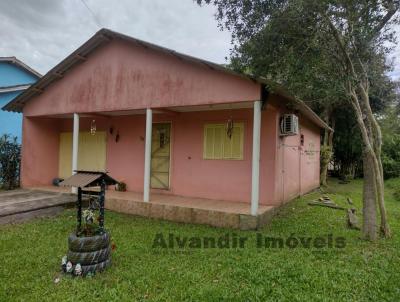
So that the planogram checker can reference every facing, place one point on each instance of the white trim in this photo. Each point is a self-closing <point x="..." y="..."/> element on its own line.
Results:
<point x="147" y="155"/>
<point x="255" y="167"/>
<point x="75" y="147"/>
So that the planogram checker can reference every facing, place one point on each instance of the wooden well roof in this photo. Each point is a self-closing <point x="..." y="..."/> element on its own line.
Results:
<point x="87" y="179"/>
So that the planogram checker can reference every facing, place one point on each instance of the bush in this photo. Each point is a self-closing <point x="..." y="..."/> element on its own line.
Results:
<point x="394" y="184"/>
<point x="396" y="194"/>
<point x="391" y="156"/>
<point x="10" y="157"/>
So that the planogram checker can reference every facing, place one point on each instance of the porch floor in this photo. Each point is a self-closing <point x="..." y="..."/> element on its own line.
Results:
<point x="217" y="213"/>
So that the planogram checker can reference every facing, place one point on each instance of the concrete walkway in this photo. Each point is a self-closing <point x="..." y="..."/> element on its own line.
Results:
<point x="21" y="205"/>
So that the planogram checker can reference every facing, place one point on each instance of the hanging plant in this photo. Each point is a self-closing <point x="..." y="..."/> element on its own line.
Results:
<point x="229" y="128"/>
<point x="93" y="127"/>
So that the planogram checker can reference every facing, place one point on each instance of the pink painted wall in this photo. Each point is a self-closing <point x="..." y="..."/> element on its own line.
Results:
<point x="123" y="76"/>
<point x="191" y="175"/>
<point x="40" y="144"/>
<point x="310" y="157"/>
<point x="297" y="167"/>
<point x="286" y="169"/>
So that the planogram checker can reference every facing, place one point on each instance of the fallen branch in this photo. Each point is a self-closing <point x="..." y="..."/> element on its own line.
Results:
<point x="326" y="204"/>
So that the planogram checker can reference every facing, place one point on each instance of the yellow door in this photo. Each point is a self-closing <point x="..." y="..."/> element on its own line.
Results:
<point x="65" y="155"/>
<point x="160" y="155"/>
<point x="91" y="152"/>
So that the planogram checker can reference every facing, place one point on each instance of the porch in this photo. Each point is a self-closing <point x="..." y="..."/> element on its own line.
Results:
<point x="191" y="174"/>
<point x="217" y="213"/>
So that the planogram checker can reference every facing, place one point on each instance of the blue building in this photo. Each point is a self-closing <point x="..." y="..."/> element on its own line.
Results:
<point x="15" y="77"/>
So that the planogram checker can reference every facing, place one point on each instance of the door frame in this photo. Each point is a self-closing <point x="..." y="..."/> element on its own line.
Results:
<point x="170" y="155"/>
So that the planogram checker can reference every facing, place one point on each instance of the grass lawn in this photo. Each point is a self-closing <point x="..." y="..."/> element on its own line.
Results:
<point x="30" y="256"/>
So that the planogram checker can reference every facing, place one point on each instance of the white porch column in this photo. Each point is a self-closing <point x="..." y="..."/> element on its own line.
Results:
<point x="255" y="168"/>
<point x="75" y="147"/>
<point x="147" y="155"/>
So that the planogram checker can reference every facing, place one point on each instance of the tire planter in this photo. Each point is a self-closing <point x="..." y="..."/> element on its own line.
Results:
<point x="92" y="253"/>
<point x="96" y="267"/>
<point x="88" y="258"/>
<point x="88" y="244"/>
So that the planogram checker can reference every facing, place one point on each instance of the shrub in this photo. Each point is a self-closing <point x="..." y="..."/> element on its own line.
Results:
<point x="394" y="185"/>
<point x="391" y="156"/>
<point x="10" y="157"/>
<point x="396" y="194"/>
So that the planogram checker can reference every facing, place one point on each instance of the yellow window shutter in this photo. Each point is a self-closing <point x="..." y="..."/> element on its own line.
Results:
<point x="217" y="144"/>
<point x="91" y="152"/>
<point x="227" y="147"/>
<point x="218" y="141"/>
<point x="208" y="142"/>
<point x="237" y="141"/>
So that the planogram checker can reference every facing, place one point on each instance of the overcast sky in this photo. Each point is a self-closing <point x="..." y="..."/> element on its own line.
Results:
<point x="43" y="32"/>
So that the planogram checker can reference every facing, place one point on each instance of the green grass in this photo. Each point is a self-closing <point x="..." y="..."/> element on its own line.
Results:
<point x="30" y="255"/>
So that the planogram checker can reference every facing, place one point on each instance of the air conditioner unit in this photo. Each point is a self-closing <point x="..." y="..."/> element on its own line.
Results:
<point x="289" y="124"/>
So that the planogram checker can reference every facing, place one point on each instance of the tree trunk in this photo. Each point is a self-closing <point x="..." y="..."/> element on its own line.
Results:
<point x="375" y="140"/>
<point x="373" y="167"/>
<point x="326" y="150"/>
<point x="326" y="155"/>
<point x="384" y="228"/>
<point x="369" y="229"/>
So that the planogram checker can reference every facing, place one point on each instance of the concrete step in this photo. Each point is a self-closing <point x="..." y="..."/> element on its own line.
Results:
<point x="22" y="205"/>
<point x="22" y="217"/>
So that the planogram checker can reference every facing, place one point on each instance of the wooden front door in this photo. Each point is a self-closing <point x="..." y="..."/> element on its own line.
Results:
<point x="160" y="155"/>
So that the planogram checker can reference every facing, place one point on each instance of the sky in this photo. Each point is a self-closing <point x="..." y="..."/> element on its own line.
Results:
<point x="43" y="32"/>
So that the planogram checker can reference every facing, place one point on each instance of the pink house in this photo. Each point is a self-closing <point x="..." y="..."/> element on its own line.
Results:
<point x="172" y="127"/>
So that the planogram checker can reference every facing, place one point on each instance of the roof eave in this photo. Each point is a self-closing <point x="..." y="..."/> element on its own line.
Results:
<point x="21" y="64"/>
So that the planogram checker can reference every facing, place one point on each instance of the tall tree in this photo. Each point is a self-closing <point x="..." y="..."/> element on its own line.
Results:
<point x="300" y="68"/>
<point x="349" y="40"/>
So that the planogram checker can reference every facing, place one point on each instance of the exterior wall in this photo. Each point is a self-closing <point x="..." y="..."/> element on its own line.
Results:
<point x="190" y="174"/>
<point x="297" y="168"/>
<point x="40" y="143"/>
<point x="287" y="169"/>
<point x="11" y="75"/>
<point x="124" y="76"/>
<point x="10" y="122"/>
<point x="310" y="158"/>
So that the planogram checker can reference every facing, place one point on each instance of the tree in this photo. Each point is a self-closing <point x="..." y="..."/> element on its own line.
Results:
<point x="10" y="152"/>
<point x="349" y="41"/>
<point x="299" y="67"/>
